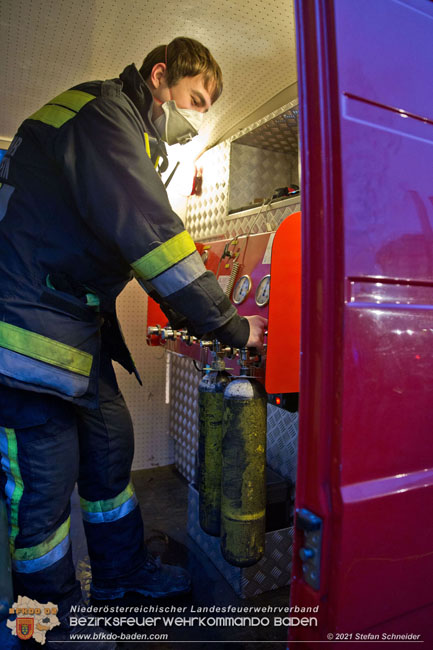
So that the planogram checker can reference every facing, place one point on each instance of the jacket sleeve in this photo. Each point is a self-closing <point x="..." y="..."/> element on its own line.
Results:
<point x="235" y="332"/>
<point x="123" y="201"/>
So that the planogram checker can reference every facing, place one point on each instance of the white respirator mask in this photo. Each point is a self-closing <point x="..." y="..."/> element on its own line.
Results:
<point x="178" y="125"/>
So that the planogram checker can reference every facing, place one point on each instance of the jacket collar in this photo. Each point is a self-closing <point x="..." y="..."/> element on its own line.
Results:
<point x="136" y="89"/>
<point x="138" y="92"/>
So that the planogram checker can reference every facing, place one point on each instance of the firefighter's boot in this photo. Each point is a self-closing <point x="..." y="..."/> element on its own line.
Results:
<point x="152" y="579"/>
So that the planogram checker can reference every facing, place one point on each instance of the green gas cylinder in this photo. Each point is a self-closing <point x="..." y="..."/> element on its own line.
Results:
<point x="243" y="477"/>
<point x="211" y="397"/>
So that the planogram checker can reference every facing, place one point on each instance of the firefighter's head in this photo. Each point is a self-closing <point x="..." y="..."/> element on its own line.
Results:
<point x="185" y="80"/>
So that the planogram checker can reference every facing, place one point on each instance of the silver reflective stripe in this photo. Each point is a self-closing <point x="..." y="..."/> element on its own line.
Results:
<point x="5" y="194"/>
<point x="179" y="276"/>
<point x="111" y="515"/>
<point x="5" y="463"/>
<point x="39" y="563"/>
<point x="32" y="371"/>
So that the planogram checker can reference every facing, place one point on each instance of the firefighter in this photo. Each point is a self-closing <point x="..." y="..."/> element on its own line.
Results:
<point x="82" y="211"/>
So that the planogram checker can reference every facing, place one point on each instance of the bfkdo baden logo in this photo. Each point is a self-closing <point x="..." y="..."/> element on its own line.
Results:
<point x="33" y="619"/>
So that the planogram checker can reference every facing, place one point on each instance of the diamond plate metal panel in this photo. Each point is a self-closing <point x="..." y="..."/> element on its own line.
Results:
<point x="271" y="572"/>
<point x="185" y="460"/>
<point x="255" y="127"/>
<point x="266" y="220"/>
<point x="282" y="442"/>
<point x="277" y="134"/>
<point x="205" y="214"/>
<point x="255" y="173"/>
<point x="184" y="381"/>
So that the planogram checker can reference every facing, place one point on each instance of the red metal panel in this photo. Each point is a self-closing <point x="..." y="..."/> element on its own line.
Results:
<point x="251" y="254"/>
<point x="365" y="453"/>
<point x="282" y="360"/>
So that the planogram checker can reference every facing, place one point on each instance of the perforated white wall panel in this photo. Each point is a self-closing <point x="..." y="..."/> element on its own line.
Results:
<point x="46" y="46"/>
<point x="150" y="413"/>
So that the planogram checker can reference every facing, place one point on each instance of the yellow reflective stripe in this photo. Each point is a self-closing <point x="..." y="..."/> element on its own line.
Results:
<point x="157" y="162"/>
<point x="234" y="516"/>
<point x="164" y="256"/>
<point x="41" y="347"/>
<point x="44" y="547"/>
<point x="146" y="142"/>
<point x="108" y="504"/>
<point x="73" y="99"/>
<point x="55" y="116"/>
<point x="71" y="102"/>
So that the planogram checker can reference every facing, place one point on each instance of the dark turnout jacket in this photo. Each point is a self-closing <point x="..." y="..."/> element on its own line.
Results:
<point x="82" y="211"/>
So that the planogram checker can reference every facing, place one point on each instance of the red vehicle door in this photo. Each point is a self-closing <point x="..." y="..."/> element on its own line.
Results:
<point x="364" y="537"/>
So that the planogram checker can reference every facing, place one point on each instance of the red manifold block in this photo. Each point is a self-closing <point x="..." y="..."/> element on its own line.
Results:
<point x="261" y="273"/>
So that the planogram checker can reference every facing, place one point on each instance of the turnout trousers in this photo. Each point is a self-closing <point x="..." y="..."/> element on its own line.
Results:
<point x="47" y="446"/>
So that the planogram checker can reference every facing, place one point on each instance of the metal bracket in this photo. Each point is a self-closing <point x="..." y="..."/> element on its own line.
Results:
<point x="310" y="552"/>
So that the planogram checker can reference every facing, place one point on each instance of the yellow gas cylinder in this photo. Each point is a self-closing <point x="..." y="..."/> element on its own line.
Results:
<point x="211" y="397"/>
<point x="243" y="477"/>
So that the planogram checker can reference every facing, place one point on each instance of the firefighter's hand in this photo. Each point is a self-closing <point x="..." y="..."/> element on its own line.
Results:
<point x="258" y="324"/>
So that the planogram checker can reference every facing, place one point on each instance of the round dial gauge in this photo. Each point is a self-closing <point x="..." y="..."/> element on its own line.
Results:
<point x="205" y="256"/>
<point x="242" y="289"/>
<point x="262" y="291"/>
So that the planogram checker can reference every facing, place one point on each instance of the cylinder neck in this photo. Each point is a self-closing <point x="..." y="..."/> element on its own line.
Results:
<point x="218" y="362"/>
<point x="245" y="368"/>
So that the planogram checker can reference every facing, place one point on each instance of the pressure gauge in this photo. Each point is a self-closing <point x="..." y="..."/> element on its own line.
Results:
<point x="262" y="291"/>
<point x="242" y="289"/>
<point x="205" y="256"/>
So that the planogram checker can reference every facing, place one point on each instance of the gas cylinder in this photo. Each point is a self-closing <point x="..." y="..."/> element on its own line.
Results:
<point x="243" y="476"/>
<point x="211" y="394"/>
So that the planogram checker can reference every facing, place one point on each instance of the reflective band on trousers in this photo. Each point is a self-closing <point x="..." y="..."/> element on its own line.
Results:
<point x="43" y="555"/>
<point x="99" y="512"/>
<point x="14" y="484"/>
<point x="164" y="256"/>
<point x="32" y="558"/>
<point x="62" y="108"/>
